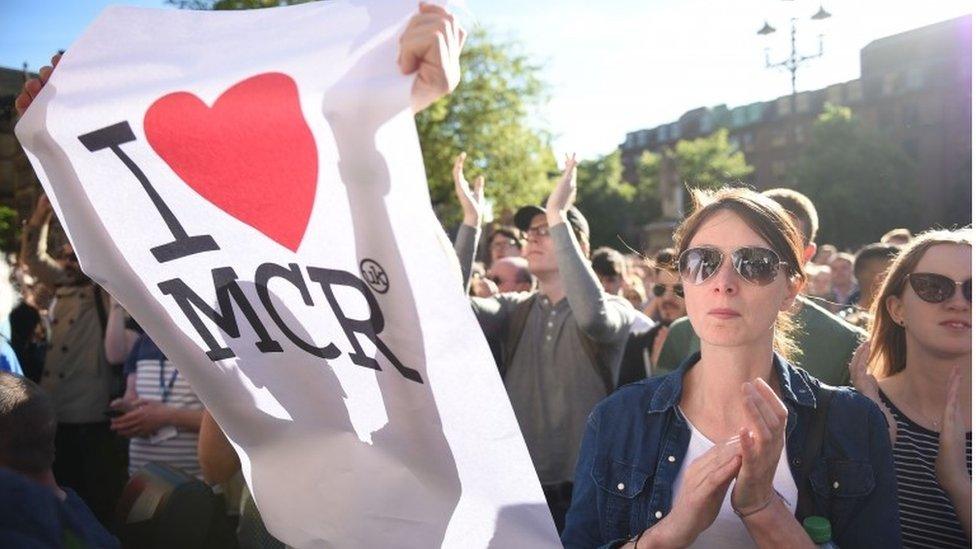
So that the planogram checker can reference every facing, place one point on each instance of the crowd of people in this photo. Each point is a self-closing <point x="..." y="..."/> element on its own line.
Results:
<point x="744" y="386"/>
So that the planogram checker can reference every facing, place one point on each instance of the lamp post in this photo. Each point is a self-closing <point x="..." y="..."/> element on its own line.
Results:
<point x="795" y="59"/>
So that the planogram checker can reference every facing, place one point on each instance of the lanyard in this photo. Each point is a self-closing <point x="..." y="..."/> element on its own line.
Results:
<point x="163" y="387"/>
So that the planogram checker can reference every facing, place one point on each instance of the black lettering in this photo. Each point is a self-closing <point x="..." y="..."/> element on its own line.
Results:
<point x="226" y="287"/>
<point x="292" y="274"/>
<point x="370" y="327"/>
<point x="112" y="137"/>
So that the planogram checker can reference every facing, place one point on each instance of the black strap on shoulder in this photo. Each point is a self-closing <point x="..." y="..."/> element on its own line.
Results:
<point x="592" y="349"/>
<point x="516" y="326"/>
<point x="815" y="438"/>
<point x="100" y="307"/>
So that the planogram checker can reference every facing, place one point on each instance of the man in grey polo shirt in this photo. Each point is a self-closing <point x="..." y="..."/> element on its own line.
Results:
<point x="561" y="344"/>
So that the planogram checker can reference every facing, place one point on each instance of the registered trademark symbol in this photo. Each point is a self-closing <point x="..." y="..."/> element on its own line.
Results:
<point x="374" y="275"/>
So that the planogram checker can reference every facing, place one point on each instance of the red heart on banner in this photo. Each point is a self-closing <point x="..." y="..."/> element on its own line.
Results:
<point x="252" y="155"/>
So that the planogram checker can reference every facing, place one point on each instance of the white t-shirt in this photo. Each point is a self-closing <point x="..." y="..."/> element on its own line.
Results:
<point x="728" y="530"/>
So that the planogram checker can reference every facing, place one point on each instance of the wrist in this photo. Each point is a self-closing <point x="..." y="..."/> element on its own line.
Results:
<point x="472" y="220"/>
<point x="662" y="535"/>
<point x="554" y="218"/>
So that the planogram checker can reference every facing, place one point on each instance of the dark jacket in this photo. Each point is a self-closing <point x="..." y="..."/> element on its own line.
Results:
<point x="636" y="440"/>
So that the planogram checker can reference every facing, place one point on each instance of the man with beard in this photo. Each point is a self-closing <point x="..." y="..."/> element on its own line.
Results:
<point x="76" y="373"/>
<point x="644" y="349"/>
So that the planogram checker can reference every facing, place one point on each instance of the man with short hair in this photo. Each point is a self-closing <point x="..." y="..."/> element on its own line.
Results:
<point x="870" y="265"/>
<point x="511" y="274"/>
<point x="34" y="510"/>
<point x="897" y="237"/>
<point x="842" y="284"/>
<point x="505" y="241"/>
<point x="825" y="341"/>
<point x="610" y="267"/>
<point x="561" y="345"/>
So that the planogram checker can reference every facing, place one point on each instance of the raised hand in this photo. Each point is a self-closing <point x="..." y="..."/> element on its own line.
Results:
<point x="762" y="440"/>
<point x="33" y="86"/>
<point x="700" y="496"/>
<point x="950" y="464"/>
<point x="867" y="385"/>
<point x="431" y="47"/>
<point x="472" y="200"/>
<point x="563" y="196"/>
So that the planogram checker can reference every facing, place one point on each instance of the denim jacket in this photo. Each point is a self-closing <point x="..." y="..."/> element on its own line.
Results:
<point x="636" y="440"/>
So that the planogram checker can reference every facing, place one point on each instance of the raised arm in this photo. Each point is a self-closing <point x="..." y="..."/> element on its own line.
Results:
<point x="33" y="246"/>
<point x="599" y="315"/>
<point x="472" y="202"/>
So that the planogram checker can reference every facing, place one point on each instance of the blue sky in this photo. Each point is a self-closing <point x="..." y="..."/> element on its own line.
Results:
<point x="614" y="66"/>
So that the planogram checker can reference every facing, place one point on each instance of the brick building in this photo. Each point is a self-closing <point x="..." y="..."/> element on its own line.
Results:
<point x="915" y="87"/>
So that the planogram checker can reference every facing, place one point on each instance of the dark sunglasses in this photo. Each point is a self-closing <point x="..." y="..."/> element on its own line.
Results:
<point x="936" y="288"/>
<point x="755" y="264"/>
<point x="659" y="289"/>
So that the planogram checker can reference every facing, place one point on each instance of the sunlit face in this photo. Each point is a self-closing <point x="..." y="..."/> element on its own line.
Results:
<point x="505" y="273"/>
<point x="539" y="250"/>
<point x="502" y="245"/>
<point x="871" y="274"/>
<point x="612" y="284"/>
<point x="943" y="329"/>
<point x="842" y="271"/>
<point x="725" y="310"/>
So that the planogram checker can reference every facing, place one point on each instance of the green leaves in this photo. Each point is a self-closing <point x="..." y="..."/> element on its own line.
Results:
<point x="490" y="115"/>
<point x="862" y="183"/>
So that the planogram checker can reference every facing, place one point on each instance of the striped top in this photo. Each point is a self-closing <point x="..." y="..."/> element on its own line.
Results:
<point x="928" y="518"/>
<point x="157" y="377"/>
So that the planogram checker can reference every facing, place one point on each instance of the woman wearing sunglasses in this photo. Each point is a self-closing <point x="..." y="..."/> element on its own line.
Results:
<point x="921" y="351"/>
<point x="737" y="445"/>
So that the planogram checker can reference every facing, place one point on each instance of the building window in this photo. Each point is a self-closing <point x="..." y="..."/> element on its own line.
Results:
<point x="747" y="141"/>
<point x="783" y="106"/>
<point x="662" y="134"/>
<point x="674" y="131"/>
<point x="738" y="117"/>
<point x="854" y="91"/>
<point x="909" y="115"/>
<point x="777" y="138"/>
<point x="914" y="79"/>
<point x="910" y="146"/>
<point x="891" y="84"/>
<point x="803" y="102"/>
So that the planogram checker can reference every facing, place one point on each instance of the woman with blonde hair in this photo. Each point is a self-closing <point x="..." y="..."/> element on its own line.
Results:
<point x="737" y="446"/>
<point x="921" y="374"/>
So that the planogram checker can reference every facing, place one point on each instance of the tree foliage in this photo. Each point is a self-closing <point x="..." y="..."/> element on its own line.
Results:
<point x="490" y="116"/>
<point x="710" y="162"/>
<point x="861" y="182"/>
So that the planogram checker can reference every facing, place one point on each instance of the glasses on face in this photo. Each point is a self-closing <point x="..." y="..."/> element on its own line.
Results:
<point x="755" y="264"/>
<point x="936" y="288"/>
<point x="539" y="231"/>
<point x="501" y="244"/>
<point x="677" y="289"/>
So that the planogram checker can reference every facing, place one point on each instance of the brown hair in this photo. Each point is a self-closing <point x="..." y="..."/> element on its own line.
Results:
<point x="798" y="205"/>
<point x="888" y="347"/>
<point x="27" y="425"/>
<point x="771" y="222"/>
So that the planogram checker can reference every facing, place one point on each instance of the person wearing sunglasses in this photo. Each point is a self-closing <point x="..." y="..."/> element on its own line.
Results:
<point x="825" y="341"/>
<point x="920" y="365"/>
<point x="738" y="446"/>
<point x="643" y="350"/>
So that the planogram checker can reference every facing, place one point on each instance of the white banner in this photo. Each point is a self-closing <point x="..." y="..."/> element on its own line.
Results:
<point x="249" y="185"/>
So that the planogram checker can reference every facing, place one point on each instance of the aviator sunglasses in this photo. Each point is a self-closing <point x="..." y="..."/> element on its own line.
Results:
<point x="755" y="264"/>
<point x="936" y="288"/>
